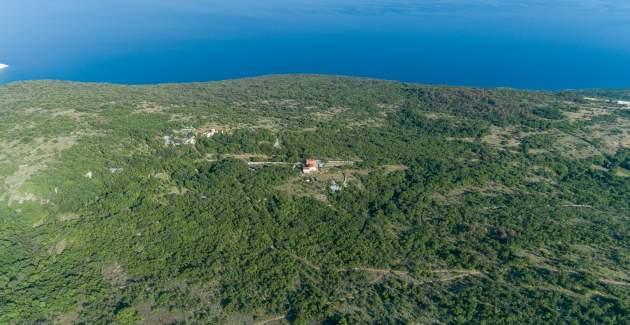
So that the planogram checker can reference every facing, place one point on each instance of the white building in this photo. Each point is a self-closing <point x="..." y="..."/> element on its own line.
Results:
<point x="190" y="140"/>
<point x="211" y="133"/>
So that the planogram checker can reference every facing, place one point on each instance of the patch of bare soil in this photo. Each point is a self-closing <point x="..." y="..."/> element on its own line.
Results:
<point x="298" y="187"/>
<point x="599" y="168"/>
<point x="469" y="139"/>
<point x="341" y="177"/>
<point x="540" y="174"/>
<point x="69" y="217"/>
<point x="587" y="295"/>
<point x="574" y="147"/>
<point x="488" y="189"/>
<point x="289" y="104"/>
<point x="162" y="176"/>
<point x="437" y="115"/>
<point x="71" y="317"/>
<point x="388" y="169"/>
<point x="175" y="190"/>
<point x="30" y="158"/>
<point x="275" y="319"/>
<point x="158" y="316"/>
<point x="621" y="172"/>
<point x="339" y="163"/>
<point x="377" y="122"/>
<point x="507" y="138"/>
<point x="59" y="247"/>
<point x="388" y="107"/>
<point x="538" y="259"/>
<point x="611" y="138"/>
<point x="445" y="275"/>
<point x="180" y="117"/>
<point x="246" y="156"/>
<point x="67" y="318"/>
<point x="115" y="274"/>
<point x="265" y="123"/>
<point x="439" y="198"/>
<point x="329" y="114"/>
<point x="586" y="113"/>
<point x="61" y="112"/>
<point x="148" y="107"/>
<point x="614" y="282"/>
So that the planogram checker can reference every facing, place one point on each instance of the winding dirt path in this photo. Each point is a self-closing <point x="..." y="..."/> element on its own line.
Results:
<point x="271" y="320"/>
<point x="614" y="282"/>
<point x="405" y="275"/>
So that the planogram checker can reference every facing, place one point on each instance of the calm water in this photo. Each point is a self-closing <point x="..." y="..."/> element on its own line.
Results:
<point x="569" y="44"/>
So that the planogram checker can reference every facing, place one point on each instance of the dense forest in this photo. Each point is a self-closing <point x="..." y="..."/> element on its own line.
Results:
<point x="187" y="204"/>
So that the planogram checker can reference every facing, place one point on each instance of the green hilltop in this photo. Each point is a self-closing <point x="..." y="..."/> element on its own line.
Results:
<point x="186" y="203"/>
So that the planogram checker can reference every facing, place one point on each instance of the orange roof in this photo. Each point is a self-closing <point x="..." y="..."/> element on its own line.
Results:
<point x="311" y="162"/>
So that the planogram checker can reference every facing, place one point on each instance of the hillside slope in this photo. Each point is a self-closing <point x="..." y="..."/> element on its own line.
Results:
<point x="185" y="203"/>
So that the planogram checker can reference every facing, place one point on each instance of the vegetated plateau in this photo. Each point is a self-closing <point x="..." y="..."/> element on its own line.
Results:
<point x="187" y="203"/>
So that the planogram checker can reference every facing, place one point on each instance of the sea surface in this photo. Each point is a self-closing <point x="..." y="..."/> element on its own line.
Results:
<point x="521" y="44"/>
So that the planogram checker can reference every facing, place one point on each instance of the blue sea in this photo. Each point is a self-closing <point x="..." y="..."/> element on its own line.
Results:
<point x="521" y="44"/>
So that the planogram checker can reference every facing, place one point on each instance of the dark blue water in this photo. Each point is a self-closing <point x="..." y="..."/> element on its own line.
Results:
<point x="479" y="43"/>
